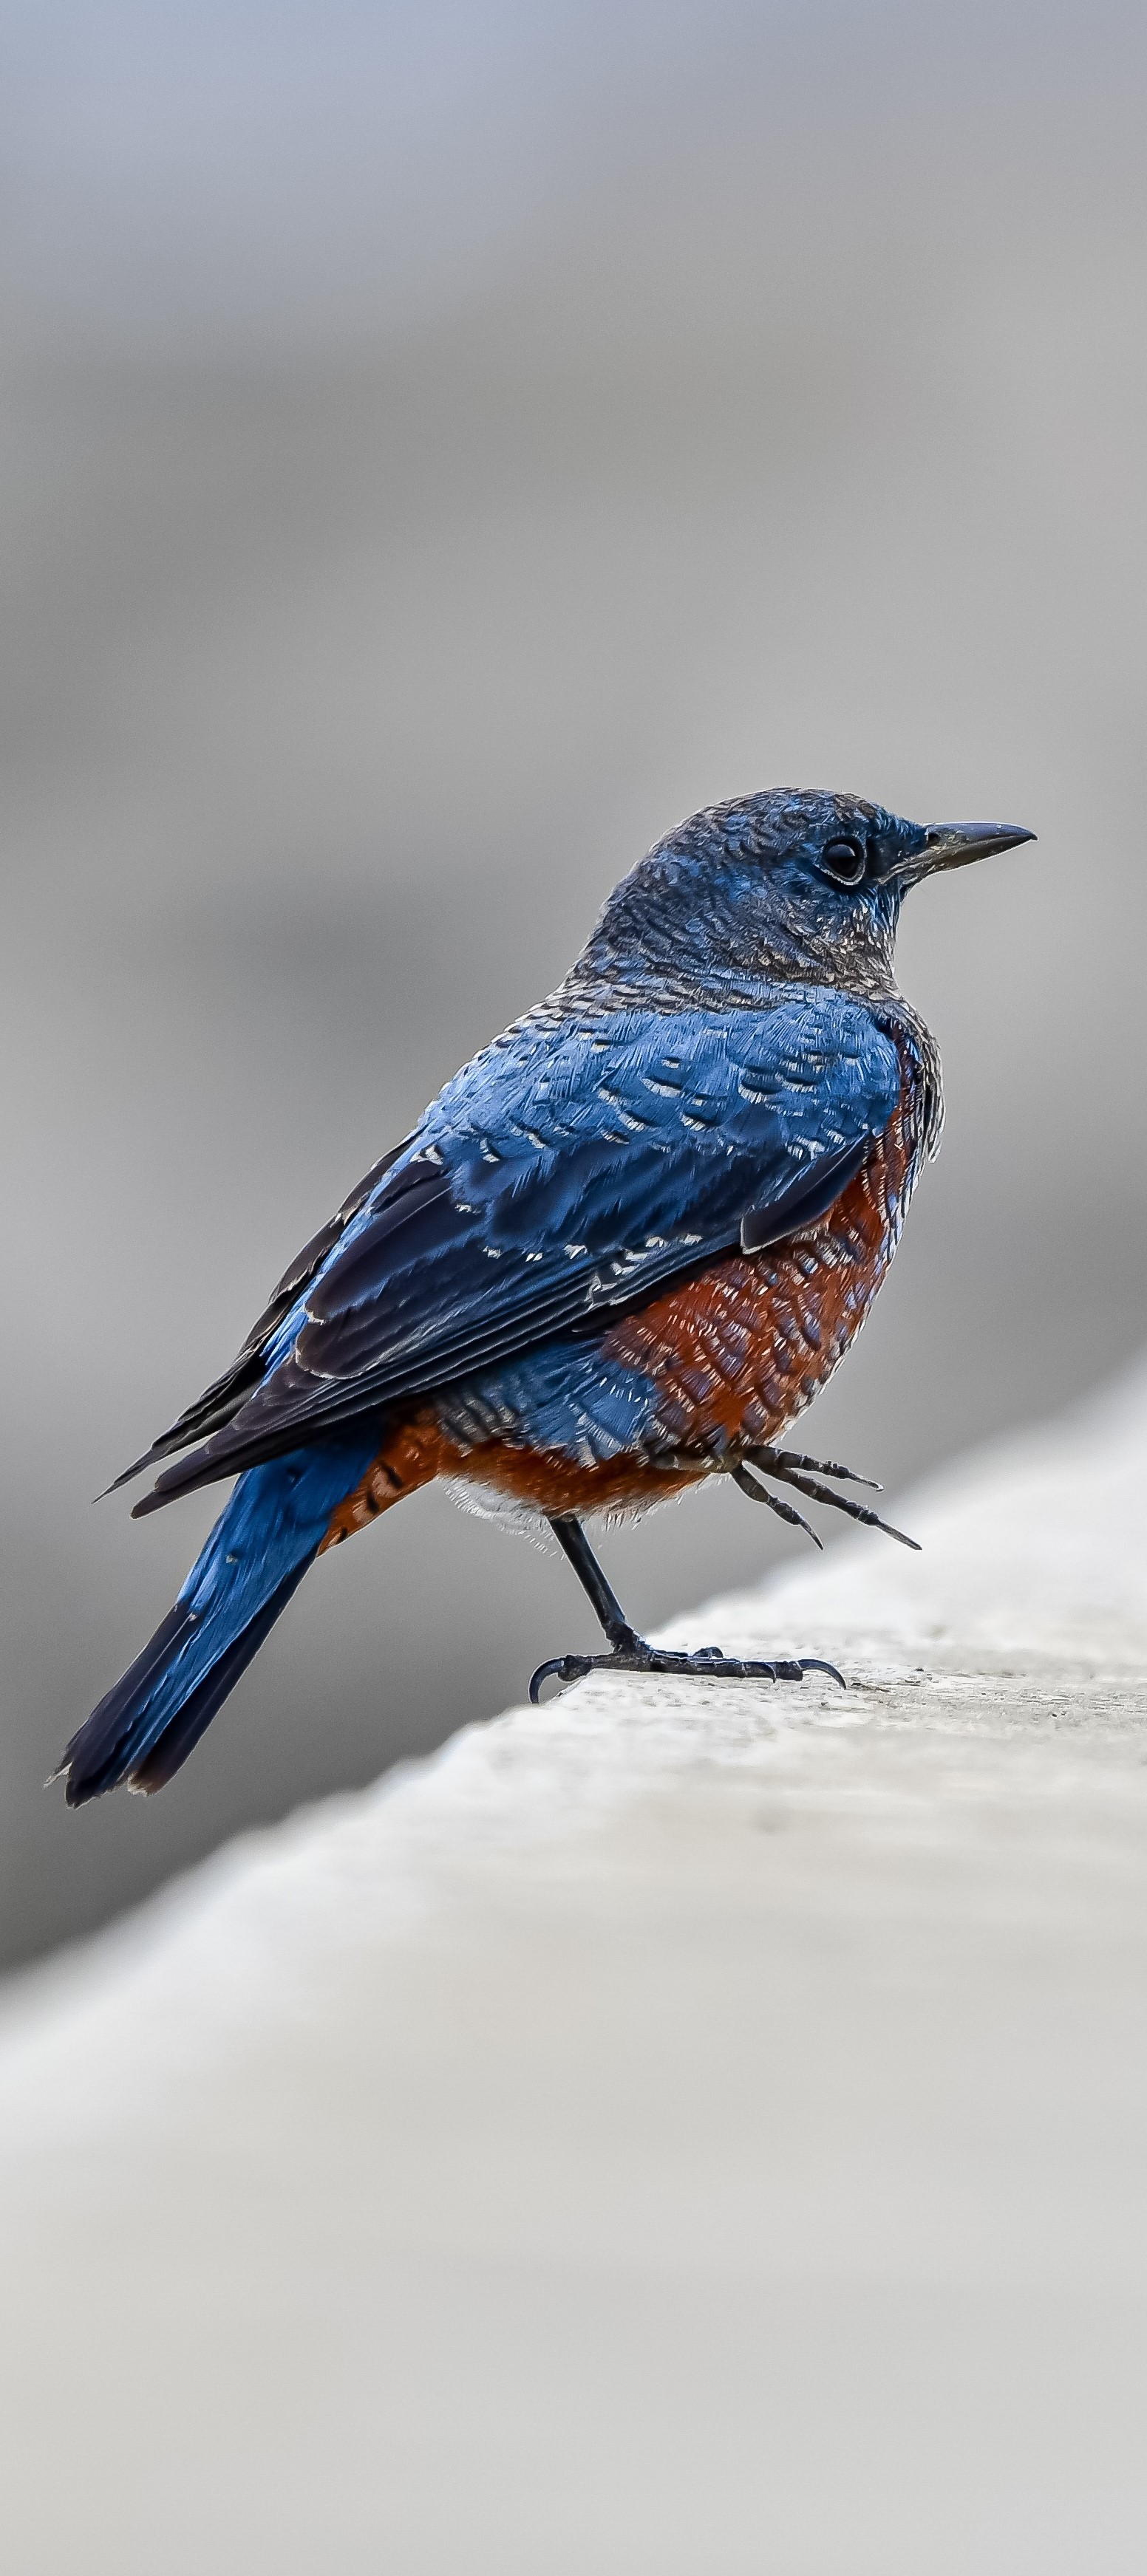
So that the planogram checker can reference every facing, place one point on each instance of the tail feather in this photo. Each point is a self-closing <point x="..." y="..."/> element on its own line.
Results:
<point x="257" y="1554"/>
<point x="92" y="1762"/>
<point x="182" y="1732"/>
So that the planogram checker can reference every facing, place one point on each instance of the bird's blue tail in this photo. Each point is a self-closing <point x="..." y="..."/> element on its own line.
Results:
<point x="258" y="1551"/>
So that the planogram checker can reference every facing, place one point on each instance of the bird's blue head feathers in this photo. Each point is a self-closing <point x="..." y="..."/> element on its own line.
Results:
<point x="789" y="882"/>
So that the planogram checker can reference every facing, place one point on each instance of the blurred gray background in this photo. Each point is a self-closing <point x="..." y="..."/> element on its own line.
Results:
<point x="441" y="445"/>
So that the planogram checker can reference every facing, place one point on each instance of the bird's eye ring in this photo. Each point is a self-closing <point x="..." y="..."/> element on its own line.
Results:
<point x="844" y="861"/>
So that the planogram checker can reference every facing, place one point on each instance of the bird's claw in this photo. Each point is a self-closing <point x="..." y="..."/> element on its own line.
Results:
<point x="705" y="1663"/>
<point x="789" y="1467"/>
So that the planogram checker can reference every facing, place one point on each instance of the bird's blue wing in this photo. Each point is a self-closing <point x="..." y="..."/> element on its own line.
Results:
<point x="566" y="1172"/>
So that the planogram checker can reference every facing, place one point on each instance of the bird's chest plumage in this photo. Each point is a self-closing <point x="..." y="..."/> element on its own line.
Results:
<point x="722" y="1361"/>
<point x="738" y="1352"/>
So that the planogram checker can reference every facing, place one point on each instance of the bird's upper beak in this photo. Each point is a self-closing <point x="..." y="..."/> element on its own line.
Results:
<point x="955" y="845"/>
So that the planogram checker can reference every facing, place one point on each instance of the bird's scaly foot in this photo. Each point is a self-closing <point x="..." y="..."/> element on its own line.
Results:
<point x="791" y="1467"/>
<point x="706" y="1663"/>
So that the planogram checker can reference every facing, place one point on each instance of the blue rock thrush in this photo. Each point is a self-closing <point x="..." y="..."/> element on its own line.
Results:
<point x="620" y="1252"/>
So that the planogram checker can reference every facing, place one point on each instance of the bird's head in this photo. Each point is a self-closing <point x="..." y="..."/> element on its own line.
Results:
<point x="791" y="882"/>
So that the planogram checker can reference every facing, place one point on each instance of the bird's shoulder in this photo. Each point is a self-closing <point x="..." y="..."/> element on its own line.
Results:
<point x="561" y="1072"/>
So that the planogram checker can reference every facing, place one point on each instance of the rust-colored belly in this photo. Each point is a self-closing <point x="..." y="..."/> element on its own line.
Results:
<point x="740" y="1351"/>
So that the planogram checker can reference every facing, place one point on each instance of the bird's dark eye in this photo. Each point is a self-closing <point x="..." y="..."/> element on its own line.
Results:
<point x="844" y="862"/>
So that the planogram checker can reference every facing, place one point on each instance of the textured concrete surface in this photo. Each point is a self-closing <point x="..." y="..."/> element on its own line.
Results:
<point x="680" y="2129"/>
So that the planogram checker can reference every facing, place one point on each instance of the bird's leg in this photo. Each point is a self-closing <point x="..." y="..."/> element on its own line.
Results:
<point x="607" y="1609"/>
<point x="629" y="1653"/>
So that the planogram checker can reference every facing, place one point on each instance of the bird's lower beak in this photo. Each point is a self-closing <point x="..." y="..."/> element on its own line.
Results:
<point x="955" y="845"/>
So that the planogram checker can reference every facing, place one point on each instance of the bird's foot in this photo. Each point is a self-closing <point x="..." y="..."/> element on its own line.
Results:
<point x="631" y="1654"/>
<point x="791" y="1467"/>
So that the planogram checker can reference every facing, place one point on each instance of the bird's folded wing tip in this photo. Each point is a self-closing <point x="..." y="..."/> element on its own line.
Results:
<point x="127" y="1473"/>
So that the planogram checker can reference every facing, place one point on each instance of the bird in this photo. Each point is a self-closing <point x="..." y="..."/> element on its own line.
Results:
<point x="618" y="1255"/>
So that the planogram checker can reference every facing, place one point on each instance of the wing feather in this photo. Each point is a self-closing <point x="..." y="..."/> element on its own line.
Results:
<point x="565" y="1174"/>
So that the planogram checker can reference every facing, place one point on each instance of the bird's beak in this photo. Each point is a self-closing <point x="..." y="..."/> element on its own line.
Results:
<point x="955" y="845"/>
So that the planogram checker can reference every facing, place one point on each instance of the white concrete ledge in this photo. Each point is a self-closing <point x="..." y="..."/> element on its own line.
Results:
<point x="684" y="2129"/>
